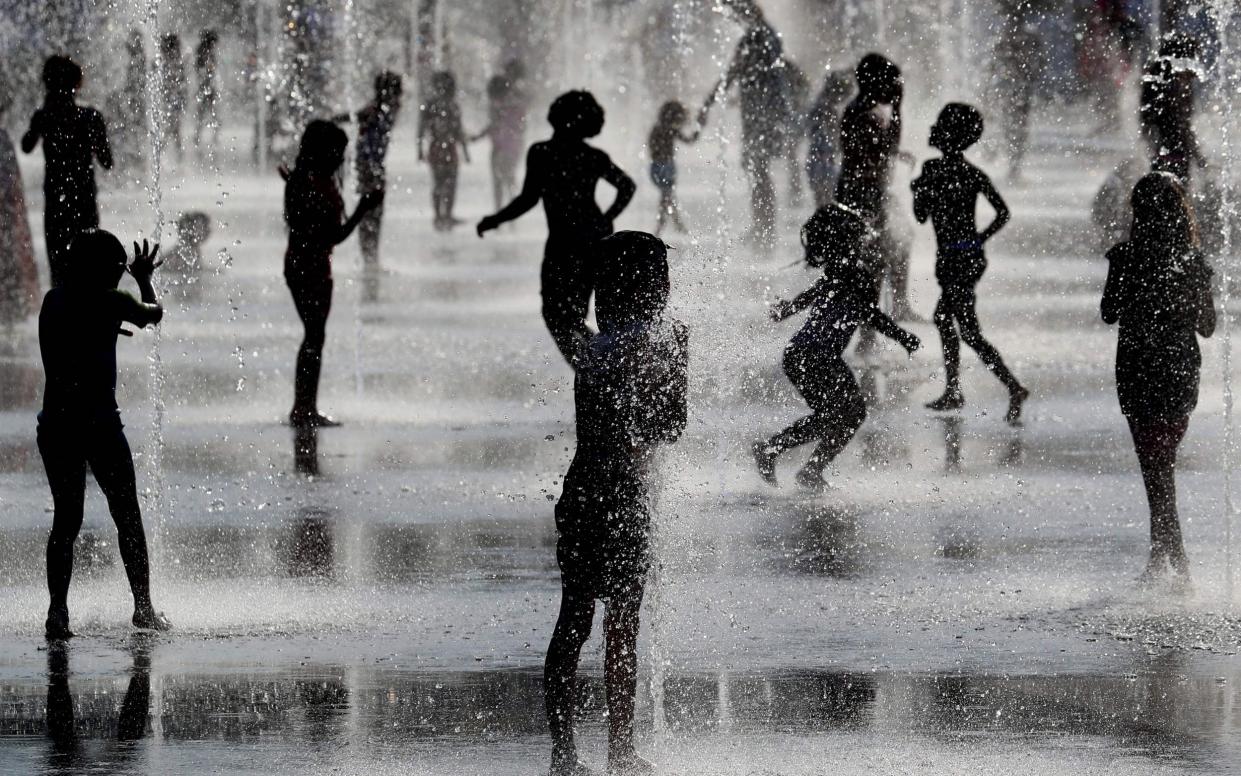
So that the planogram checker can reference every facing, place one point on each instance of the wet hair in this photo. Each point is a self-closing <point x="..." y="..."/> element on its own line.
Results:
<point x="322" y="143"/>
<point x="96" y="259"/>
<point x="61" y="74"/>
<point x="833" y="236"/>
<point x="576" y="113"/>
<point x="1162" y="214"/>
<point x="388" y="85"/>
<point x="958" y="127"/>
<point x="633" y="284"/>
<point x="194" y="227"/>
<point x="672" y="113"/>
<point x="444" y="83"/>
<point x="876" y="72"/>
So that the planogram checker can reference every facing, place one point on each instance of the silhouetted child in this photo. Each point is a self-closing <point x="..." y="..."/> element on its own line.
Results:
<point x="1166" y="107"/>
<point x="80" y="424"/>
<point x="823" y="127"/>
<point x="208" y="91"/>
<point x="74" y="137"/>
<point x="375" y="123"/>
<point x="563" y="172"/>
<point x="185" y="260"/>
<point x="1159" y="291"/>
<point x="630" y="398"/>
<point x="439" y="123"/>
<point x="172" y="86"/>
<point x="1018" y="62"/>
<point x="315" y="213"/>
<point x="506" y="126"/>
<point x="947" y="193"/>
<point x="839" y="241"/>
<point x="662" y="147"/>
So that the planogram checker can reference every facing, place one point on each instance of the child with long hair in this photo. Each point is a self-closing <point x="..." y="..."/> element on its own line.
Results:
<point x="839" y="241"/>
<point x="1158" y="291"/>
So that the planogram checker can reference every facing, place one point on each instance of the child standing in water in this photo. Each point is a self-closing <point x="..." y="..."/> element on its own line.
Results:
<point x="822" y="154"/>
<point x="74" y="138"/>
<point x="563" y="172"/>
<point x="315" y="213"/>
<point x="1159" y="292"/>
<point x="80" y="424"/>
<point x="630" y="398"/>
<point x="440" y="123"/>
<point x="375" y="123"/>
<point x="839" y="241"/>
<point x="506" y="113"/>
<point x="946" y="193"/>
<point x="662" y="147"/>
<point x="172" y="85"/>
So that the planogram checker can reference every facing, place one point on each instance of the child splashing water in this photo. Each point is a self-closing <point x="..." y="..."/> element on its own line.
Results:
<point x="947" y="192"/>
<point x="837" y="240"/>
<point x="629" y="396"/>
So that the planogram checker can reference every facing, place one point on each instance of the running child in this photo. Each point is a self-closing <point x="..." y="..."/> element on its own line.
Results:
<point x="662" y="147"/>
<point x="946" y="192"/>
<point x="839" y="241"/>
<point x="440" y="125"/>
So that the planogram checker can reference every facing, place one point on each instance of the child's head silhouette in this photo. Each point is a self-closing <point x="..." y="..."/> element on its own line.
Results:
<point x="878" y="76"/>
<point x="633" y="284"/>
<point x="577" y="114"/>
<point x="958" y="127"/>
<point x="1162" y="213"/>
<point x="444" y="84"/>
<point x="61" y="75"/>
<point x="323" y="147"/>
<point x="388" y="87"/>
<point x="672" y="114"/>
<point x="194" y="227"/>
<point x="834" y="236"/>
<point x="96" y="260"/>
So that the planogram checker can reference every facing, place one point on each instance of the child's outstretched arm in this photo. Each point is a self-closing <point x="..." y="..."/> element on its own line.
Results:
<point x="100" y="146"/>
<point x="625" y="188"/>
<point x="370" y="200"/>
<point x="1001" y="209"/>
<point x="920" y="186"/>
<point x="482" y="133"/>
<point x="1114" y="288"/>
<point x="149" y="311"/>
<point x="881" y="322"/>
<point x="31" y="138"/>
<point x="531" y="192"/>
<point x="786" y="308"/>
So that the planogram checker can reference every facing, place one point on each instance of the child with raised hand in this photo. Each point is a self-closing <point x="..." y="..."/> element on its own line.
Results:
<point x="564" y="172"/>
<point x="630" y="399"/>
<point x="661" y="144"/>
<point x="80" y="424"/>
<point x="439" y="124"/>
<point x="946" y="192"/>
<point x="74" y="138"/>
<point x="838" y="240"/>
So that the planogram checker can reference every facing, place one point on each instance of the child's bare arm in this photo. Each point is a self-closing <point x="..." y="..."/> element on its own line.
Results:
<point x="1001" y="209"/>
<point x="881" y="322"/>
<point x="99" y="142"/>
<point x="31" y="138"/>
<point x="785" y="308"/>
<point x="531" y="192"/>
<point x="625" y="189"/>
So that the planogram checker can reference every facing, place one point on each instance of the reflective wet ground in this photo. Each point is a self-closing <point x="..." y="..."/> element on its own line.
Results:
<point x="377" y="598"/>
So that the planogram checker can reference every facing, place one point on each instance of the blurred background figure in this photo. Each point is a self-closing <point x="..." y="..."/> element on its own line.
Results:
<point x="172" y="91"/>
<point x="19" y="278"/>
<point x="1017" y="62"/>
<point x="206" y="114"/>
<point x="823" y="129"/>
<point x="506" y="114"/>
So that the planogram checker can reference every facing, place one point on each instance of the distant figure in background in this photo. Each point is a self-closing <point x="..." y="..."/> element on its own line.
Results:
<point x="315" y="213"/>
<point x="185" y="259"/>
<point x="506" y="126"/>
<point x="80" y="424"/>
<point x="870" y="136"/>
<point x="1166" y="107"/>
<point x="947" y="193"/>
<point x="1018" y="58"/>
<point x="206" y="114"/>
<point x="823" y="128"/>
<point x="439" y="124"/>
<point x="630" y="399"/>
<point x="172" y="87"/>
<point x="375" y="123"/>
<point x="838" y="241"/>
<point x="1109" y="211"/>
<point x="758" y="70"/>
<point x="134" y="140"/>
<point x="74" y="138"/>
<point x="797" y="86"/>
<point x="19" y="277"/>
<point x="564" y="172"/>
<point x="1159" y="291"/>
<point x="661" y="145"/>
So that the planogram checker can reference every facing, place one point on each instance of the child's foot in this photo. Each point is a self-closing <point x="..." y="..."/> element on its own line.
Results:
<point x="1016" y="398"/>
<point x="951" y="400"/>
<point x="765" y="459"/>
<point x="311" y="420"/>
<point x="57" y="625"/>
<point x="149" y="619"/>
<point x="811" y="479"/>
<point x="629" y="764"/>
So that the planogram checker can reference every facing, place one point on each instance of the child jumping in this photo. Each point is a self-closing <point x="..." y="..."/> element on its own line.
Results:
<point x="946" y="192"/>
<point x="440" y="124"/>
<point x="662" y="147"/>
<point x="74" y="138"/>
<point x="563" y="172"/>
<point x="839" y="241"/>
<point x="630" y="398"/>
<point x="80" y="424"/>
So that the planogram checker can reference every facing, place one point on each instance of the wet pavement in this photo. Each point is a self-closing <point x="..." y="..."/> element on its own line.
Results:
<point x="377" y="598"/>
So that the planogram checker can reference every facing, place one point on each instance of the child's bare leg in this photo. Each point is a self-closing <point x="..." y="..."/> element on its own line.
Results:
<point x="577" y="613"/>
<point x="621" y="622"/>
